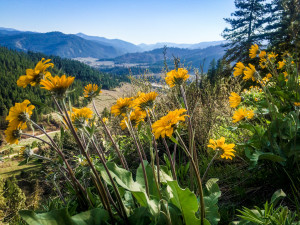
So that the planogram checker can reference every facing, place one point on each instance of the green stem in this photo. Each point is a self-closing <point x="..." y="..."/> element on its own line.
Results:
<point x="121" y="157"/>
<point x="76" y="183"/>
<point x="98" y="179"/>
<point x="167" y="150"/>
<point x="155" y="147"/>
<point x="117" y="193"/>
<point x="202" y="206"/>
<point x="209" y="165"/>
<point x="192" y="148"/>
<point x="129" y="126"/>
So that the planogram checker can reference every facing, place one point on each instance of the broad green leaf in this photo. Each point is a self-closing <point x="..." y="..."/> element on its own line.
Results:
<point x="140" y="216"/>
<point x="55" y="217"/>
<point x="258" y="155"/>
<point x="144" y="201"/>
<point x="175" y="214"/>
<point x="120" y="175"/>
<point x="125" y="180"/>
<point x="62" y="217"/>
<point x="211" y="196"/>
<point x="184" y="200"/>
<point x="150" y="178"/>
<point x="277" y="196"/>
<point x="91" y="217"/>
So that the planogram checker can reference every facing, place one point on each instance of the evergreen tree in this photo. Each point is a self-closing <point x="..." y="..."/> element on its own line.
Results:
<point x="246" y="25"/>
<point x="283" y="29"/>
<point x="212" y="71"/>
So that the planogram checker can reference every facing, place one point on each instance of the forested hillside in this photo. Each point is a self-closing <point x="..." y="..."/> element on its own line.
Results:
<point x="13" y="64"/>
<point x="57" y="43"/>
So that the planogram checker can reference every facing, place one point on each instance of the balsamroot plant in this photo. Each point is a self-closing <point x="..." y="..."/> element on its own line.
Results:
<point x="107" y="192"/>
<point x="269" y="108"/>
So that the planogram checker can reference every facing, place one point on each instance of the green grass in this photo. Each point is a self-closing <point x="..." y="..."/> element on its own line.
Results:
<point x="11" y="168"/>
<point x="26" y="141"/>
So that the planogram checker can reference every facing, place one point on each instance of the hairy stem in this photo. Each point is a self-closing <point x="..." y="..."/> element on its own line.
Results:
<point x="120" y="155"/>
<point x="202" y="207"/>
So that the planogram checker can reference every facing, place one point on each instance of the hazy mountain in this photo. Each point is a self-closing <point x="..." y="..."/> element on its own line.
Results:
<point x="149" y="47"/>
<point x="56" y="43"/>
<point x="191" y="57"/>
<point x="122" y="46"/>
<point x="118" y="51"/>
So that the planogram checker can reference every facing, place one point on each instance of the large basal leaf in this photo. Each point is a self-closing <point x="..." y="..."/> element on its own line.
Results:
<point x="140" y="216"/>
<point x="150" y="178"/>
<point x="120" y="175"/>
<point x="257" y="155"/>
<point x="125" y="180"/>
<point x="211" y="196"/>
<point x="184" y="200"/>
<point x="62" y="217"/>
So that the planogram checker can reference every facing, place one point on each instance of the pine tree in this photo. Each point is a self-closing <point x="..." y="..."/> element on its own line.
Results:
<point x="283" y="29"/>
<point x="246" y="25"/>
<point x="212" y="71"/>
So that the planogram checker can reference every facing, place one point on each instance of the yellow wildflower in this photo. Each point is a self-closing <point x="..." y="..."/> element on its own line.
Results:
<point x="238" y="69"/>
<point x="220" y="145"/>
<point x="242" y="113"/>
<point x="81" y="116"/>
<point x="296" y="103"/>
<point x="105" y="119"/>
<point x="34" y="76"/>
<point x="272" y="55"/>
<point x="57" y="85"/>
<point x="249" y="72"/>
<point x="22" y="151"/>
<point x="145" y="100"/>
<point x="253" y="51"/>
<point x="176" y="77"/>
<point x="122" y="106"/>
<point x="267" y="78"/>
<point x="136" y="117"/>
<point x="262" y="54"/>
<point x="165" y="125"/>
<point x="234" y="100"/>
<point x="281" y="64"/>
<point x="91" y="90"/>
<point x="20" y="114"/>
<point x="263" y="63"/>
<point x="13" y="135"/>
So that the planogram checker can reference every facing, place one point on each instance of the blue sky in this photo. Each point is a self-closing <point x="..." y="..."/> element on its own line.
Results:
<point x="136" y="21"/>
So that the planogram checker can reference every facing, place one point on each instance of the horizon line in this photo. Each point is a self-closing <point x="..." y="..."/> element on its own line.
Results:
<point x="142" y="43"/>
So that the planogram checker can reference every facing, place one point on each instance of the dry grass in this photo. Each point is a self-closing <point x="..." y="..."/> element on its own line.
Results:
<point x="108" y="97"/>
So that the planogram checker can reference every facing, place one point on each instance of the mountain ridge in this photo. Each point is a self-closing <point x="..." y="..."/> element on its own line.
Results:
<point x="84" y="46"/>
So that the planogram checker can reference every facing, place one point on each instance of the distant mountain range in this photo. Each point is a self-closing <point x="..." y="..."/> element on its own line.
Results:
<point x="122" y="46"/>
<point x="149" y="47"/>
<point x="56" y="43"/>
<point x="84" y="46"/>
<point x="192" y="57"/>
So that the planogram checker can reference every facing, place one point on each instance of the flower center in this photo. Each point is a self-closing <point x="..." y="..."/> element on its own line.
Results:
<point x="39" y="77"/>
<point x="17" y="134"/>
<point x="23" y="117"/>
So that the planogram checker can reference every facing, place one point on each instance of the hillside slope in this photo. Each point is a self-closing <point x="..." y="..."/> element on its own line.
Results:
<point x="56" y="43"/>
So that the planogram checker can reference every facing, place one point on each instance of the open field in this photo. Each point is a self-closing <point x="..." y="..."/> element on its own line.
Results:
<point x="11" y="168"/>
<point x="108" y="97"/>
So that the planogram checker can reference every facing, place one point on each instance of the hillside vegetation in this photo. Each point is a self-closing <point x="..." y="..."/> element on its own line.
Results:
<point x="14" y="63"/>
<point x="220" y="148"/>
